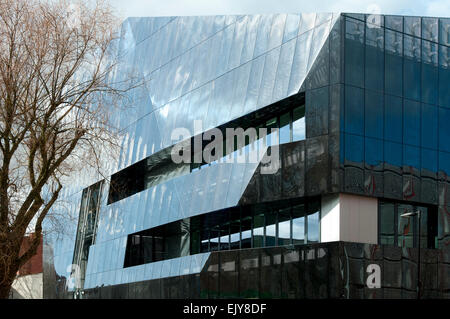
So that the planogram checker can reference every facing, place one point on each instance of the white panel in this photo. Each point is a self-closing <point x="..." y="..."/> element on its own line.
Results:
<point x="329" y="222"/>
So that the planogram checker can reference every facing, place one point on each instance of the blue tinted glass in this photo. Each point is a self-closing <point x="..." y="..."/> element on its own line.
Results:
<point x="354" y="148"/>
<point x="393" y="153"/>
<point x="393" y="63"/>
<point x="429" y="126"/>
<point x="444" y="75"/>
<point x="444" y="129"/>
<point x="373" y="151"/>
<point x="374" y="112"/>
<point x="374" y="73"/>
<point x="411" y="122"/>
<point x="429" y="73"/>
<point x="354" y="110"/>
<point x="411" y="156"/>
<point x="444" y="162"/>
<point x="393" y="118"/>
<point x="354" y="52"/>
<point x="411" y="68"/>
<point x="429" y="160"/>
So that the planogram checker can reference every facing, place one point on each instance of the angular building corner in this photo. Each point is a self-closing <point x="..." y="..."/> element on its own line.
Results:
<point x="361" y="105"/>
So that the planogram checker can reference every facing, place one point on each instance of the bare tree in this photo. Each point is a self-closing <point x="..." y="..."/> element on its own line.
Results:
<point x="55" y="98"/>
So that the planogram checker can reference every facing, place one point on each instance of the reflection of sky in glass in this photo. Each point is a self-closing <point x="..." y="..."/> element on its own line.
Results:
<point x="284" y="229"/>
<point x="235" y="237"/>
<point x="298" y="228"/>
<point x="298" y="129"/>
<point x="246" y="234"/>
<point x="313" y="227"/>
<point x="224" y="239"/>
<point x="270" y="230"/>
<point x="258" y="231"/>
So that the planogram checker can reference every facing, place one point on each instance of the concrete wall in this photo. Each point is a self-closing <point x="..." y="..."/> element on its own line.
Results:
<point x="28" y="287"/>
<point x="350" y="218"/>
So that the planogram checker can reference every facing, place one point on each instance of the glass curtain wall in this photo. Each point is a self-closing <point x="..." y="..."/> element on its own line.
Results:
<point x="238" y="228"/>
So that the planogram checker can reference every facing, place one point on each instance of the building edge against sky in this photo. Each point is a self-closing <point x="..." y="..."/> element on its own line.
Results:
<point x="362" y="105"/>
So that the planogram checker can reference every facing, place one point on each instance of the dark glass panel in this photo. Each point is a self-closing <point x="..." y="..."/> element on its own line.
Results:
<point x="394" y="23"/>
<point x="354" y="148"/>
<point x="393" y="118"/>
<point x="411" y="156"/>
<point x="444" y="76"/>
<point x="430" y="29"/>
<point x="225" y="237"/>
<point x="411" y="68"/>
<point x="429" y="160"/>
<point x="393" y="153"/>
<point x="214" y="239"/>
<point x="429" y="126"/>
<point x="374" y="72"/>
<point x="444" y="129"/>
<point x="235" y="234"/>
<point x="354" y="110"/>
<point x="444" y="31"/>
<point x="405" y="226"/>
<point x="411" y="122"/>
<point x="444" y="162"/>
<point x="354" y="52"/>
<point x="423" y="231"/>
<point x="412" y="26"/>
<point x="205" y="242"/>
<point x="374" y="113"/>
<point x="393" y="63"/>
<point x="387" y="224"/>
<point x="373" y="151"/>
<point x="429" y="73"/>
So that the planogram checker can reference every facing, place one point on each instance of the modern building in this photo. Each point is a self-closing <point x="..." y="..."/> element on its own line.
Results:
<point x="362" y="164"/>
<point x="29" y="283"/>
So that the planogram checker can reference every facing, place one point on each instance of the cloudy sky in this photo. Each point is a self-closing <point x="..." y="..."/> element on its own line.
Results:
<point x="136" y="8"/>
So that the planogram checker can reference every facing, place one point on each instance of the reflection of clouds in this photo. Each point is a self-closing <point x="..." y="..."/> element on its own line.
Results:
<point x="284" y="229"/>
<point x="298" y="228"/>
<point x="298" y="129"/>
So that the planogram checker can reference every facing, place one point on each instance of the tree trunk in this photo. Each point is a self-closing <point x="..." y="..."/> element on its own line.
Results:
<point x="8" y="275"/>
<point x="5" y="288"/>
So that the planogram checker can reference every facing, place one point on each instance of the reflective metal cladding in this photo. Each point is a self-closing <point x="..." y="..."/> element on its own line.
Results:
<point x="362" y="106"/>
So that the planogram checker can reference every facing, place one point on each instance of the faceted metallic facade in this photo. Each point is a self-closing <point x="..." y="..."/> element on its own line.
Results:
<point x="220" y="68"/>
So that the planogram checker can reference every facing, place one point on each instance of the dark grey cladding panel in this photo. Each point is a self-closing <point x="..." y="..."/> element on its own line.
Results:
<point x="229" y="283"/>
<point x="287" y="182"/>
<point x="293" y="170"/>
<point x="392" y="185"/>
<point x="317" y="168"/>
<point x="271" y="274"/>
<point x="326" y="270"/>
<point x="307" y="169"/>
<point x="316" y="111"/>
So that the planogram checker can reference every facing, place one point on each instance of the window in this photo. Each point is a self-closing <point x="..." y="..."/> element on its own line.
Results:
<point x="87" y="227"/>
<point x="399" y="225"/>
<point x="286" y="116"/>
<point x="254" y="226"/>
